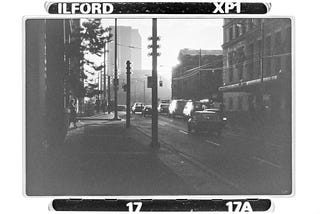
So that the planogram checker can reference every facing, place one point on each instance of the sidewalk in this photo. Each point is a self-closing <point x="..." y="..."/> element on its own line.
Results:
<point x="109" y="160"/>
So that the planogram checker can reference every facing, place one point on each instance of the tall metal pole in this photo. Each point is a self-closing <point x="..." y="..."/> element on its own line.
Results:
<point x="115" y="84"/>
<point x="109" y="94"/>
<point x="128" y="95"/>
<point x="155" y="142"/>
<point x="261" y="65"/>
<point x="199" y="89"/>
<point x="104" y="78"/>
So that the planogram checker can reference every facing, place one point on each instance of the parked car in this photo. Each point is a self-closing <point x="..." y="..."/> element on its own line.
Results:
<point x="137" y="107"/>
<point x="176" y="108"/>
<point x="212" y="110"/>
<point x="147" y="110"/>
<point x="190" y="107"/>
<point x="206" y="121"/>
<point x="163" y="108"/>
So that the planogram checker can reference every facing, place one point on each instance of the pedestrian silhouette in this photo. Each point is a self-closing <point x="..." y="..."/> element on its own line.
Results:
<point x="73" y="113"/>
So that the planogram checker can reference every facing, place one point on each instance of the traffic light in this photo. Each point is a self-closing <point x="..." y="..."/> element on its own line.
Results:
<point x="157" y="46"/>
<point x="160" y="83"/>
<point x="124" y="87"/>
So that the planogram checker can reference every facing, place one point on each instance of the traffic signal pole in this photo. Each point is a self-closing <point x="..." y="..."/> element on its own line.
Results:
<point x="128" y="94"/>
<point x="154" y="142"/>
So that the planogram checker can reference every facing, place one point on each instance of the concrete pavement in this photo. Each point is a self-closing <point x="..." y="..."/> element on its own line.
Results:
<point x="102" y="157"/>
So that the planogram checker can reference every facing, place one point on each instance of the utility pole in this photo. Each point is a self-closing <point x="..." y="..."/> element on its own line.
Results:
<point x="104" y="78"/>
<point x="128" y="95"/>
<point x="115" y="84"/>
<point x="144" y="91"/>
<point x="155" y="142"/>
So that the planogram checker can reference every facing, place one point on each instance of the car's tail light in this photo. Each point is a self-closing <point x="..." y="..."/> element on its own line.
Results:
<point x="224" y="118"/>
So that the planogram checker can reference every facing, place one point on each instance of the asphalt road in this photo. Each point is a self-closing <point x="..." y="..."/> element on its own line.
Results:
<point x="258" y="162"/>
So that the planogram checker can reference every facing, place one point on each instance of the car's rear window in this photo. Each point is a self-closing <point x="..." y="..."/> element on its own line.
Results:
<point x="181" y="103"/>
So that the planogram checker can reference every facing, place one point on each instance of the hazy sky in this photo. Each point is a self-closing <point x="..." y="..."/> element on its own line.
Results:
<point x="175" y="34"/>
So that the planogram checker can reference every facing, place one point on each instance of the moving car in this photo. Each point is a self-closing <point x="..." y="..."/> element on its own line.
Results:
<point x="147" y="110"/>
<point x="163" y="108"/>
<point x="137" y="107"/>
<point x="206" y="121"/>
<point x="176" y="108"/>
<point x="191" y="107"/>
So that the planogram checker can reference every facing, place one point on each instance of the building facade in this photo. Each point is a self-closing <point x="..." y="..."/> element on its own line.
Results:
<point x="198" y="76"/>
<point x="48" y="66"/>
<point x="128" y="48"/>
<point x="257" y="66"/>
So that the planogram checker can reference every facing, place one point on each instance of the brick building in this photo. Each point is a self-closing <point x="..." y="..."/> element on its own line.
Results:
<point x="257" y="75"/>
<point x="198" y="76"/>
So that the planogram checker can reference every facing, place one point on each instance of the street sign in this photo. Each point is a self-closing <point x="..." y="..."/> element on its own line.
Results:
<point x="150" y="82"/>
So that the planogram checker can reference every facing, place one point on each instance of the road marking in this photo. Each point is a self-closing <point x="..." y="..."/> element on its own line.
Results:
<point x="184" y="132"/>
<point x="211" y="142"/>
<point x="266" y="162"/>
<point x="162" y="123"/>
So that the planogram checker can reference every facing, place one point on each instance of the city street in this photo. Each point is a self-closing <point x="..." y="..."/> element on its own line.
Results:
<point x="102" y="157"/>
<point x="255" y="162"/>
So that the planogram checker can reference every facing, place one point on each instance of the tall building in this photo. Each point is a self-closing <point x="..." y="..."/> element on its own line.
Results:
<point x="257" y="66"/>
<point x="198" y="76"/>
<point x="129" y="48"/>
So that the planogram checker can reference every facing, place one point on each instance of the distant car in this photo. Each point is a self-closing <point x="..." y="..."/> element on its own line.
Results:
<point x="122" y="108"/>
<point x="137" y="107"/>
<point x="163" y="108"/>
<point x="147" y="110"/>
<point x="206" y="121"/>
<point x="176" y="108"/>
<point x="190" y="107"/>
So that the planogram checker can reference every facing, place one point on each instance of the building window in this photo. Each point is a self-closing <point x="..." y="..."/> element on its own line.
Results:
<point x="230" y="103"/>
<point x="230" y="66"/>
<point x="287" y="45"/>
<point x="240" y="103"/>
<point x="230" y="74"/>
<point x="250" y="24"/>
<point x="230" y="33"/>
<point x="250" y="61"/>
<point x="240" y="71"/>
<point x="243" y="28"/>
<point x="237" y="28"/>
<point x="267" y="56"/>
<point x="240" y="59"/>
<point x="277" y="43"/>
<point x="277" y="62"/>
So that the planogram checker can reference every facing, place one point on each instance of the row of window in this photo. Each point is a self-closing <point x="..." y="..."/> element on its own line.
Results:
<point x="251" y="54"/>
<point x="235" y="103"/>
<point x="271" y="66"/>
<point x="237" y="29"/>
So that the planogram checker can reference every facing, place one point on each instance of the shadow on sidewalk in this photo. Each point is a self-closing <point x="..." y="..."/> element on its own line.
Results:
<point x="108" y="159"/>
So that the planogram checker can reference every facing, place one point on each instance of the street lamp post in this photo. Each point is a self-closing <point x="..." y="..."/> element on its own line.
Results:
<point x="115" y="84"/>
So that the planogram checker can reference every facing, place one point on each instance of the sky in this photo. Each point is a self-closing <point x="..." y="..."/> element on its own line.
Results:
<point x="175" y="34"/>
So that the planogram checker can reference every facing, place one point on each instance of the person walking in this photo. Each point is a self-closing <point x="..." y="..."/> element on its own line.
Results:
<point x="98" y="105"/>
<point x="73" y="114"/>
